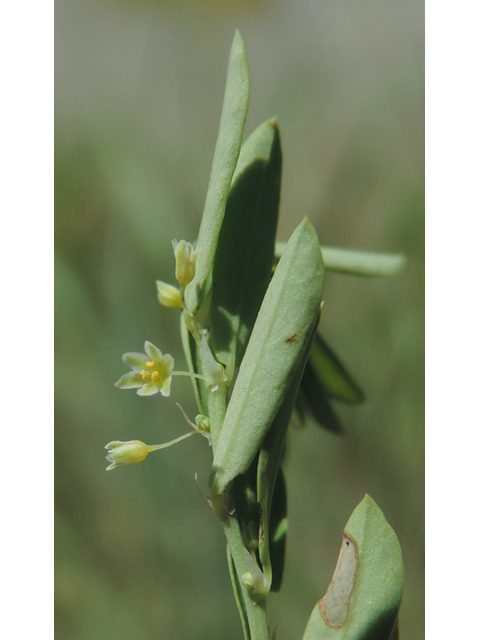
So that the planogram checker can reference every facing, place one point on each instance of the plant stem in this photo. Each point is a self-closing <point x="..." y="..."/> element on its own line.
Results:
<point x="189" y="374"/>
<point x="256" y="612"/>
<point x="156" y="447"/>
<point x="217" y="406"/>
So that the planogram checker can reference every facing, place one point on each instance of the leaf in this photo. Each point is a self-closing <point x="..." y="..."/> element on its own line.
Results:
<point x="247" y="510"/>
<point x="246" y="245"/>
<point x="278" y="531"/>
<point x="362" y="600"/>
<point x="227" y="149"/>
<point x="356" y="263"/>
<point x="362" y="263"/>
<point x="337" y="383"/>
<point x="313" y="400"/>
<point x="279" y="338"/>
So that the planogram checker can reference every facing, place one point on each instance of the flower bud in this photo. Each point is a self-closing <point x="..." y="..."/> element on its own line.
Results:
<point x="255" y="579"/>
<point x="168" y="296"/>
<point x="203" y="423"/>
<point x="130" y="452"/>
<point x="185" y="258"/>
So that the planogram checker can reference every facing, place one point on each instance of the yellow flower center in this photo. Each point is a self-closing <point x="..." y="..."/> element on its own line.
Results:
<point x="150" y="364"/>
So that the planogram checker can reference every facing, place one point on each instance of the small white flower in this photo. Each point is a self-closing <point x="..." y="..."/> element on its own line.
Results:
<point x="151" y="371"/>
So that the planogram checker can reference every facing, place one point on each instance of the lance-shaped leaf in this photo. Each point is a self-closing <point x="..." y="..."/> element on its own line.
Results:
<point x="227" y="149"/>
<point x="246" y="245"/>
<point x="332" y="375"/>
<point x="362" y="600"/>
<point x="279" y="338"/>
<point x="356" y="263"/>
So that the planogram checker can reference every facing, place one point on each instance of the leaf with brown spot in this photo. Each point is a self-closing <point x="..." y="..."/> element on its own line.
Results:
<point x="363" y="598"/>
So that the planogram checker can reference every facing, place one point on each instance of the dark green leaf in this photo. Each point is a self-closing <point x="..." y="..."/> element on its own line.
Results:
<point x="313" y="400"/>
<point x="278" y="531"/>
<point x="332" y="375"/>
<point x="246" y="245"/>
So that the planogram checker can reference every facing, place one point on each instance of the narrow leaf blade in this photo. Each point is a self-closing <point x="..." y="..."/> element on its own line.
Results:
<point x="362" y="263"/>
<point x="227" y="149"/>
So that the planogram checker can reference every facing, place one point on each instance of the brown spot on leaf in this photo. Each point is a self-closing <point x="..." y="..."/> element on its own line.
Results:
<point x="293" y="339"/>
<point x="334" y="604"/>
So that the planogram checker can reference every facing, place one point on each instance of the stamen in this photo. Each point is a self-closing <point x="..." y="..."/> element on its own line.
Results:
<point x="155" y="374"/>
<point x="150" y="364"/>
<point x="144" y="374"/>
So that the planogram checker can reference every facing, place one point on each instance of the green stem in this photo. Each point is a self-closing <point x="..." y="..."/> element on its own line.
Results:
<point x="189" y="374"/>
<point x="256" y="612"/>
<point x="156" y="447"/>
<point x="217" y="406"/>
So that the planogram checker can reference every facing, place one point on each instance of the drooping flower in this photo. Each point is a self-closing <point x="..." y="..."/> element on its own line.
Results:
<point x="130" y="452"/>
<point x="134" y="451"/>
<point x="151" y="371"/>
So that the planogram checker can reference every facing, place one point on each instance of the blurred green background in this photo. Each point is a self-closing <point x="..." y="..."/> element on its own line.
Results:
<point x="138" y="98"/>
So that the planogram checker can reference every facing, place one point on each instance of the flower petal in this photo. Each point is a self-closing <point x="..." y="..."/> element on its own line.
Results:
<point x="130" y="380"/>
<point x="113" y="444"/>
<point x="165" y="388"/>
<point x="168" y="361"/>
<point x="148" y="389"/>
<point x="137" y="361"/>
<point x="153" y="351"/>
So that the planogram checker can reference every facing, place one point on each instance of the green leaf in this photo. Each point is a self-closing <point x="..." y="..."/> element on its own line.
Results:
<point x="277" y="538"/>
<point x="313" y="400"/>
<point x="362" y="600"/>
<point x="227" y="149"/>
<point x="332" y="375"/>
<point x="279" y="337"/>
<point x="356" y="263"/>
<point x="246" y="245"/>
<point x="362" y="263"/>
